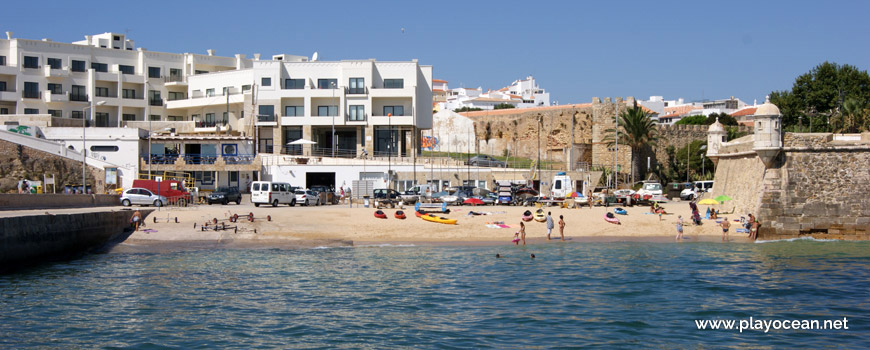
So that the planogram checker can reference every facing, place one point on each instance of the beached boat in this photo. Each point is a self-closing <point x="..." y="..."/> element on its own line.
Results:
<point x="609" y="217"/>
<point x="438" y="219"/>
<point x="539" y="215"/>
<point x="620" y="211"/>
<point x="527" y="216"/>
<point x="380" y="214"/>
<point x="399" y="214"/>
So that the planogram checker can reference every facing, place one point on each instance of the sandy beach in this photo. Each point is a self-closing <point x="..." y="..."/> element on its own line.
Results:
<point x="342" y="225"/>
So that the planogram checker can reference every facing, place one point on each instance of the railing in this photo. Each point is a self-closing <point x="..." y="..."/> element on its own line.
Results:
<point x="195" y="159"/>
<point x="199" y="158"/>
<point x="292" y="150"/>
<point x="173" y="79"/>
<point x="364" y="117"/>
<point x="356" y="91"/>
<point x="31" y="94"/>
<point x="78" y="97"/>
<point x="155" y="102"/>
<point x="327" y="152"/>
<point x="240" y="159"/>
<point x="161" y="159"/>
<point x="209" y="124"/>
<point x="266" y="118"/>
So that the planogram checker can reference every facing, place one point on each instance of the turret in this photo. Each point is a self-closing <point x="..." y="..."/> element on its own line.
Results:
<point x="768" y="132"/>
<point x="716" y="136"/>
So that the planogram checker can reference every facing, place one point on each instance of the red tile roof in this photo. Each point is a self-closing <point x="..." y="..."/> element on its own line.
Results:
<point x="744" y="112"/>
<point x="438" y="81"/>
<point x="522" y="110"/>
<point x="680" y="110"/>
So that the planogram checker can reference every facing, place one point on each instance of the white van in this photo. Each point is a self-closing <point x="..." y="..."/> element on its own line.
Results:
<point x="562" y="185"/>
<point x="274" y="193"/>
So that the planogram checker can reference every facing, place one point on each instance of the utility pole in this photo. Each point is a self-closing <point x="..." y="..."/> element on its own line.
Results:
<point x="150" y="131"/>
<point x="616" y="153"/>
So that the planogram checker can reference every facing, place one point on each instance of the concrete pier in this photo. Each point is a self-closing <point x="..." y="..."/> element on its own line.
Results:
<point x="33" y="236"/>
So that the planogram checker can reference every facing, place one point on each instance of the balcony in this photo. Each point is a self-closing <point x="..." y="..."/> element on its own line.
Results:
<point x="188" y="162"/>
<point x="359" y="118"/>
<point x="174" y="80"/>
<point x="52" y="97"/>
<point x="9" y="95"/>
<point x="55" y="73"/>
<point x="267" y="120"/>
<point x="158" y="102"/>
<point x="356" y="91"/>
<point x="78" y="98"/>
<point x="32" y="94"/>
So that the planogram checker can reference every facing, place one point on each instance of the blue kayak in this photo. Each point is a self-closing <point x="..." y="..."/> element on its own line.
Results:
<point x="620" y="211"/>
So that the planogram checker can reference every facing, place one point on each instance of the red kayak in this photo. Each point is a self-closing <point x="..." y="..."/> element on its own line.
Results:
<point x="400" y="215"/>
<point x="380" y="214"/>
<point x="419" y="213"/>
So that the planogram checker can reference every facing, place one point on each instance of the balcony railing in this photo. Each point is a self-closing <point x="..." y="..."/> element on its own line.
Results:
<point x="174" y="79"/>
<point x="357" y="91"/>
<point x="155" y="102"/>
<point x="266" y="118"/>
<point x="327" y="152"/>
<point x="31" y="94"/>
<point x="78" y="97"/>
<point x="209" y="124"/>
<point x="358" y="118"/>
<point x="240" y="159"/>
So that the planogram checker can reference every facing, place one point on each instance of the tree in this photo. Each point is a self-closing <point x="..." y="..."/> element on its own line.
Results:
<point x="852" y="118"/>
<point x="817" y="97"/>
<point x="637" y="130"/>
<point x="692" y="120"/>
<point x="724" y="119"/>
<point x="467" y="109"/>
<point x="504" y="106"/>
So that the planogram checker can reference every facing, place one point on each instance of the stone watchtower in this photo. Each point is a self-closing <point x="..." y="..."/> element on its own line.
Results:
<point x="716" y="136"/>
<point x="768" y="132"/>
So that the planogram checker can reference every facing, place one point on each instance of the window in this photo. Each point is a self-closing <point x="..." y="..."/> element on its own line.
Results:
<point x="292" y="133"/>
<point x="78" y="66"/>
<point x="77" y="114"/>
<point x="100" y="67"/>
<point x="154" y="98"/>
<point x="176" y="96"/>
<point x="174" y="74"/>
<point x="209" y="92"/>
<point x="246" y="88"/>
<point x="327" y="83"/>
<point x="31" y="62"/>
<point x="2" y="86"/>
<point x="128" y="117"/>
<point x="225" y="119"/>
<point x="31" y="90"/>
<point x="126" y="69"/>
<point x="357" y="113"/>
<point x="101" y="91"/>
<point x="56" y="113"/>
<point x="116" y="37"/>
<point x="56" y="89"/>
<point x="294" y="111"/>
<point x="209" y="120"/>
<point x="31" y="111"/>
<point x="54" y="63"/>
<point x="225" y="91"/>
<point x="204" y="177"/>
<point x="154" y="72"/>
<point x="129" y="93"/>
<point x="294" y="83"/>
<point x="78" y="93"/>
<point x="175" y="118"/>
<point x="266" y="82"/>
<point x="154" y="117"/>
<point x="2" y="60"/>
<point x="4" y="110"/>
<point x="267" y="113"/>
<point x="101" y="119"/>
<point x="357" y="86"/>
<point x="327" y="111"/>
<point x="396" y="111"/>
<point x="394" y="83"/>
<point x="104" y="148"/>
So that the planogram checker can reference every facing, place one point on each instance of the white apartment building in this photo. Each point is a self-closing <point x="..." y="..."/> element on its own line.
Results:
<point x="210" y="117"/>
<point x="671" y="111"/>
<point x="523" y="93"/>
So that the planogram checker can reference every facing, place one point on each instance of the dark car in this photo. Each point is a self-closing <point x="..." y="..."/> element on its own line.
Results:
<point x="224" y="195"/>
<point x="386" y="193"/>
<point x="485" y="160"/>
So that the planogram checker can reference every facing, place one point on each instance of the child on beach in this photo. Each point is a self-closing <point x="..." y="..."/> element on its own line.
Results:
<point x="562" y="227"/>
<point x="516" y="238"/>
<point x="725" y="226"/>
<point x="679" y="227"/>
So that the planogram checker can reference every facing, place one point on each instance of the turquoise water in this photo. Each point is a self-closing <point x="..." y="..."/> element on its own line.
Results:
<point x="604" y="295"/>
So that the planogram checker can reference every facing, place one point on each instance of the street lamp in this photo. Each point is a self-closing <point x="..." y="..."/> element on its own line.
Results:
<point x="703" y="172"/>
<point x="84" y="148"/>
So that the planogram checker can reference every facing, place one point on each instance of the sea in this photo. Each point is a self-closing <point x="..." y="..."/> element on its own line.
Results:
<point x="608" y="295"/>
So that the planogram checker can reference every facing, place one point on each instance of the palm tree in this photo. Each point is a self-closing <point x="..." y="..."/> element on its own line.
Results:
<point x="851" y="118"/>
<point x="636" y="130"/>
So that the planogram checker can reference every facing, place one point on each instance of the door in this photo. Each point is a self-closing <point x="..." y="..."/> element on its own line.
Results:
<point x="234" y="179"/>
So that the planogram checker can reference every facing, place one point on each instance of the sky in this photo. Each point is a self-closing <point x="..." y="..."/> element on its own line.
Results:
<point x="575" y="49"/>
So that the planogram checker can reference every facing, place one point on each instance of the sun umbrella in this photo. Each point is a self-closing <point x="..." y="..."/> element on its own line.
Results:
<point x="708" y="201"/>
<point x="302" y="142"/>
<point x="574" y="195"/>
<point x="723" y="198"/>
<point x="473" y="201"/>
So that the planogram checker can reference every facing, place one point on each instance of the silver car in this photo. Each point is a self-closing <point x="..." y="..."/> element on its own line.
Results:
<point x="141" y="196"/>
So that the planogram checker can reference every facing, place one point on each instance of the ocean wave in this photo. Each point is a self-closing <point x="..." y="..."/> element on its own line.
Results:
<point x="385" y="245"/>
<point x="807" y="238"/>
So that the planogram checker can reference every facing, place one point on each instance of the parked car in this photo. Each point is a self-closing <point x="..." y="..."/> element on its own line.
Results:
<point x="224" y="195"/>
<point x="274" y="193"/>
<point x="485" y="160"/>
<point x="436" y="197"/>
<point x="327" y="195"/>
<point x="307" y="197"/>
<point x="697" y="189"/>
<point x="141" y="196"/>
<point x="650" y="189"/>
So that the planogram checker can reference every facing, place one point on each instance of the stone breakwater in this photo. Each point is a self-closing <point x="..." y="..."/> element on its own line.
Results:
<point x="32" y="238"/>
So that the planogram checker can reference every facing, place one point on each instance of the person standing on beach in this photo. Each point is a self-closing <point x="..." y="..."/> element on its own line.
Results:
<point x="679" y="227"/>
<point x="562" y="227"/>
<point x="523" y="232"/>
<point x="549" y="225"/>
<point x="725" y="226"/>
<point x="753" y="230"/>
<point x="136" y="219"/>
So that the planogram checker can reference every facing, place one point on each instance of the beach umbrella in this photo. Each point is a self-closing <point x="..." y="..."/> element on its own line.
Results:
<point x="723" y="198"/>
<point x="574" y="195"/>
<point x="473" y="201"/>
<point x="708" y="201"/>
<point x="302" y="142"/>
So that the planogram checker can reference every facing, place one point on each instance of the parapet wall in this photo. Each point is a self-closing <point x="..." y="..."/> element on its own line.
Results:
<point x="54" y="201"/>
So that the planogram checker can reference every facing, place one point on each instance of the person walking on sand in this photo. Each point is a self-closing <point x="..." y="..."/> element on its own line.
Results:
<point x="562" y="227"/>
<point x="679" y="227"/>
<point x="522" y="232"/>
<point x="549" y="225"/>
<point x="725" y="226"/>
<point x="136" y="219"/>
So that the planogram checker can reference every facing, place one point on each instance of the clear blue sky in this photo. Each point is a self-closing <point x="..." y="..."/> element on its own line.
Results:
<point x="574" y="49"/>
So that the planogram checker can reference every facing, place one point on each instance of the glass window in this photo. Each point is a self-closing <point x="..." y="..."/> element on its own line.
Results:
<point x="78" y="66"/>
<point x="395" y="111"/>
<point x="266" y="81"/>
<point x="2" y="86"/>
<point x="78" y="93"/>
<point x="31" y="111"/>
<point x="100" y="67"/>
<point x="209" y="92"/>
<point x="294" y="111"/>
<point x="292" y="133"/>
<point x="327" y="111"/>
<point x="101" y="91"/>
<point x="2" y="60"/>
<point x="31" y="62"/>
<point x="209" y="119"/>
<point x="154" y="95"/>
<point x="128" y="117"/>
<point x="154" y="72"/>
<point x="129" y="93"/>
<point x="176" y="96"/>
<point x="101" y="119"/>
<point x="357" y="86"/>
<point x="126" y="69"/>
<point x="56" y="113"/>
<point x="31" y="89"/>
<point x="294" y="83"/>
<point x="55" y="63"/>
<point x="175" y="118"/>
<point x="327" y="83"/>
<point x="154" y="117"/>
<point x="246" y="88"/>
<point x="394" y="83"/>
<point x="56" y="89"/>
<point x="357" y="113"/>
<point x="175" y="74"/>
<point x="267" y="113"/>
<point x="76" y="114"/>
<point x="225" y="91"/>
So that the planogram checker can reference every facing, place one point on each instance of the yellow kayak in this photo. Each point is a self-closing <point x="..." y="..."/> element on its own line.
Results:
<point x="539" y="215"/>
<point x="440" y="219"/>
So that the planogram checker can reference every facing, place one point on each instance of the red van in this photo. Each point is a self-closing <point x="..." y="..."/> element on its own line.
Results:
<point x="173" y="190"/>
